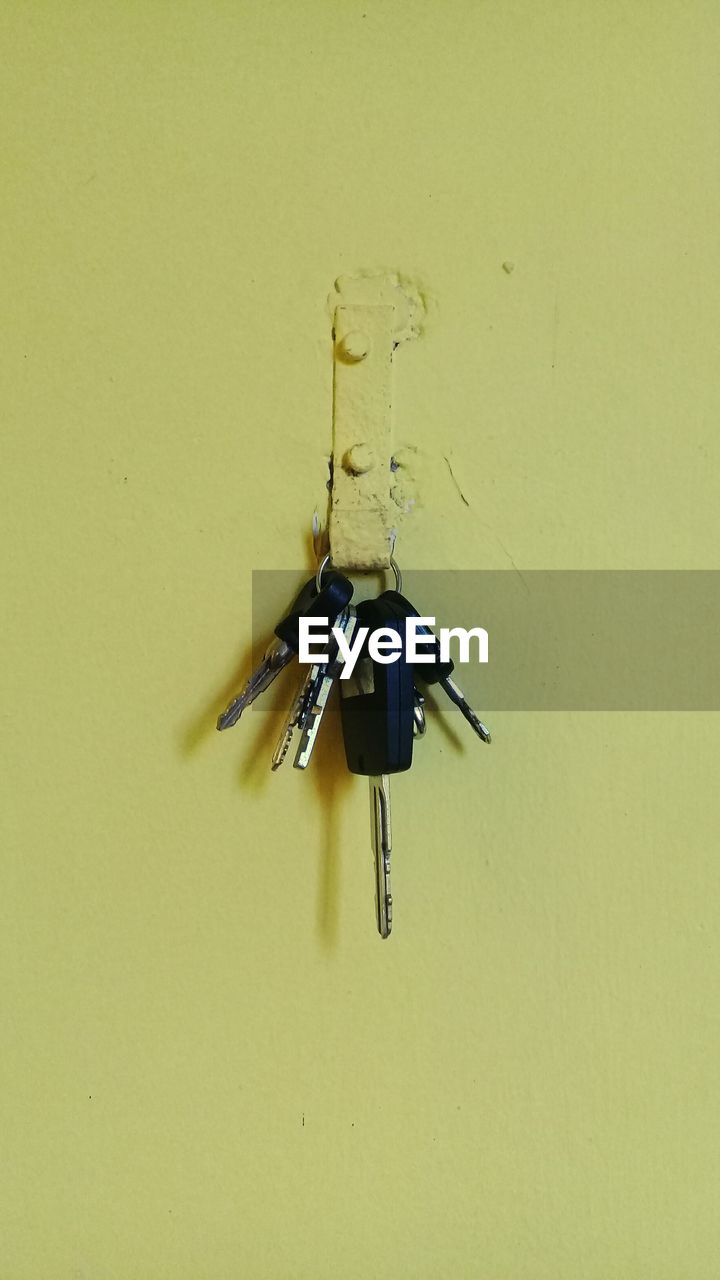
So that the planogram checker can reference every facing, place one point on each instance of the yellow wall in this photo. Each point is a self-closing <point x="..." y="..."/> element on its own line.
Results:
<point x="211" y="1065"/>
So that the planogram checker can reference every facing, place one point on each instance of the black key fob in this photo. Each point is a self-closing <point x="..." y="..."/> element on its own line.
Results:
<point x="334" y="595"/>
<point x="377" y="702"/>
<point x="428" y="672"/>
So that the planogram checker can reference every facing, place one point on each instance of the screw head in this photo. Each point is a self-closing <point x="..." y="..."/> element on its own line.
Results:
<point x="359" y="460"/>
<point x="355" y="346"/>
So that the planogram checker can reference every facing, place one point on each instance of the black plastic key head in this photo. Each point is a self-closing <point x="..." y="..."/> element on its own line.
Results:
<point x="428" y="672"/>
<point x="377" y="703"/>
<point x="436" y="672"/>
<point x="334" y="596"/>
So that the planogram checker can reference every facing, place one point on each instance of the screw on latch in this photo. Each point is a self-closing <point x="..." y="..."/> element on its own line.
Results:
<point x="355" y="346"/>
<point x="359" y="460"/>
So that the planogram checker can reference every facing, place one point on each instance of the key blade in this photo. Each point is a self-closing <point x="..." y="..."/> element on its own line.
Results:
<point x="457" y="696"/>
<point x="381" y="829"/>
<point x="311" y="724"/>
<point x="303" y="695"/>
<point x="270" y="666"/>
<point x="231" y="714"/>
<point x="419" y="722"/>
<point x="312" y="719"/>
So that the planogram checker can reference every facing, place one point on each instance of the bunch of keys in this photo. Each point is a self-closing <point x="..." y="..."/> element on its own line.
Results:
<point x="382" y="709"/>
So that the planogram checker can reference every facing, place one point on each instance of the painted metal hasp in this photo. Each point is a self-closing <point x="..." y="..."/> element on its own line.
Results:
<point x="360" y="505"/>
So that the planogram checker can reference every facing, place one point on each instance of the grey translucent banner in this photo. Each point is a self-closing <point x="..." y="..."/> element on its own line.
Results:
<point x="558" y="640"/>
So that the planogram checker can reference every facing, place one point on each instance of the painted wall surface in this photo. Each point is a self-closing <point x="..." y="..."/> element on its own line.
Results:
<point x="211" y="1066"/>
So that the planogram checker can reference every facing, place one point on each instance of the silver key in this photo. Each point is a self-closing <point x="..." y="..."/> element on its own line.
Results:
<point x="419" y="724"/>
<point x="275" y="658"/>
<point x="381" y="827"/>
<point x="305" y="696"/>
<point x="313" y="714"/>
<point x="312" y="693"/>
<point x="457" y="696"/>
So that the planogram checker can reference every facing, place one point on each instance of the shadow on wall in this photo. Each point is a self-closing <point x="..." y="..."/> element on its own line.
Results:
<point x="331" y="780"/>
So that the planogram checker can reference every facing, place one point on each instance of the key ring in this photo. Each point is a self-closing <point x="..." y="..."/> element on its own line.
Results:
<point x="327" y="561"/>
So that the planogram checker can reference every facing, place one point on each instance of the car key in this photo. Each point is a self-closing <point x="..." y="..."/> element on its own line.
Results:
<point x="378" y="718"/>
<point x="333" y="596"/>
<point x="378" y="701"/>
<point x="437" y="672"/>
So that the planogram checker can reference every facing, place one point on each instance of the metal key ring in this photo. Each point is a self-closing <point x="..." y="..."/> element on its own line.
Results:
<point x="327" y="561"/>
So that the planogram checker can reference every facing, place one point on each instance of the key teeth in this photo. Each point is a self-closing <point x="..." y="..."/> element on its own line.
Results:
<point x="476" y="723"/>
<point x="278" y="760"/>
<point x="228" y="718"/>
